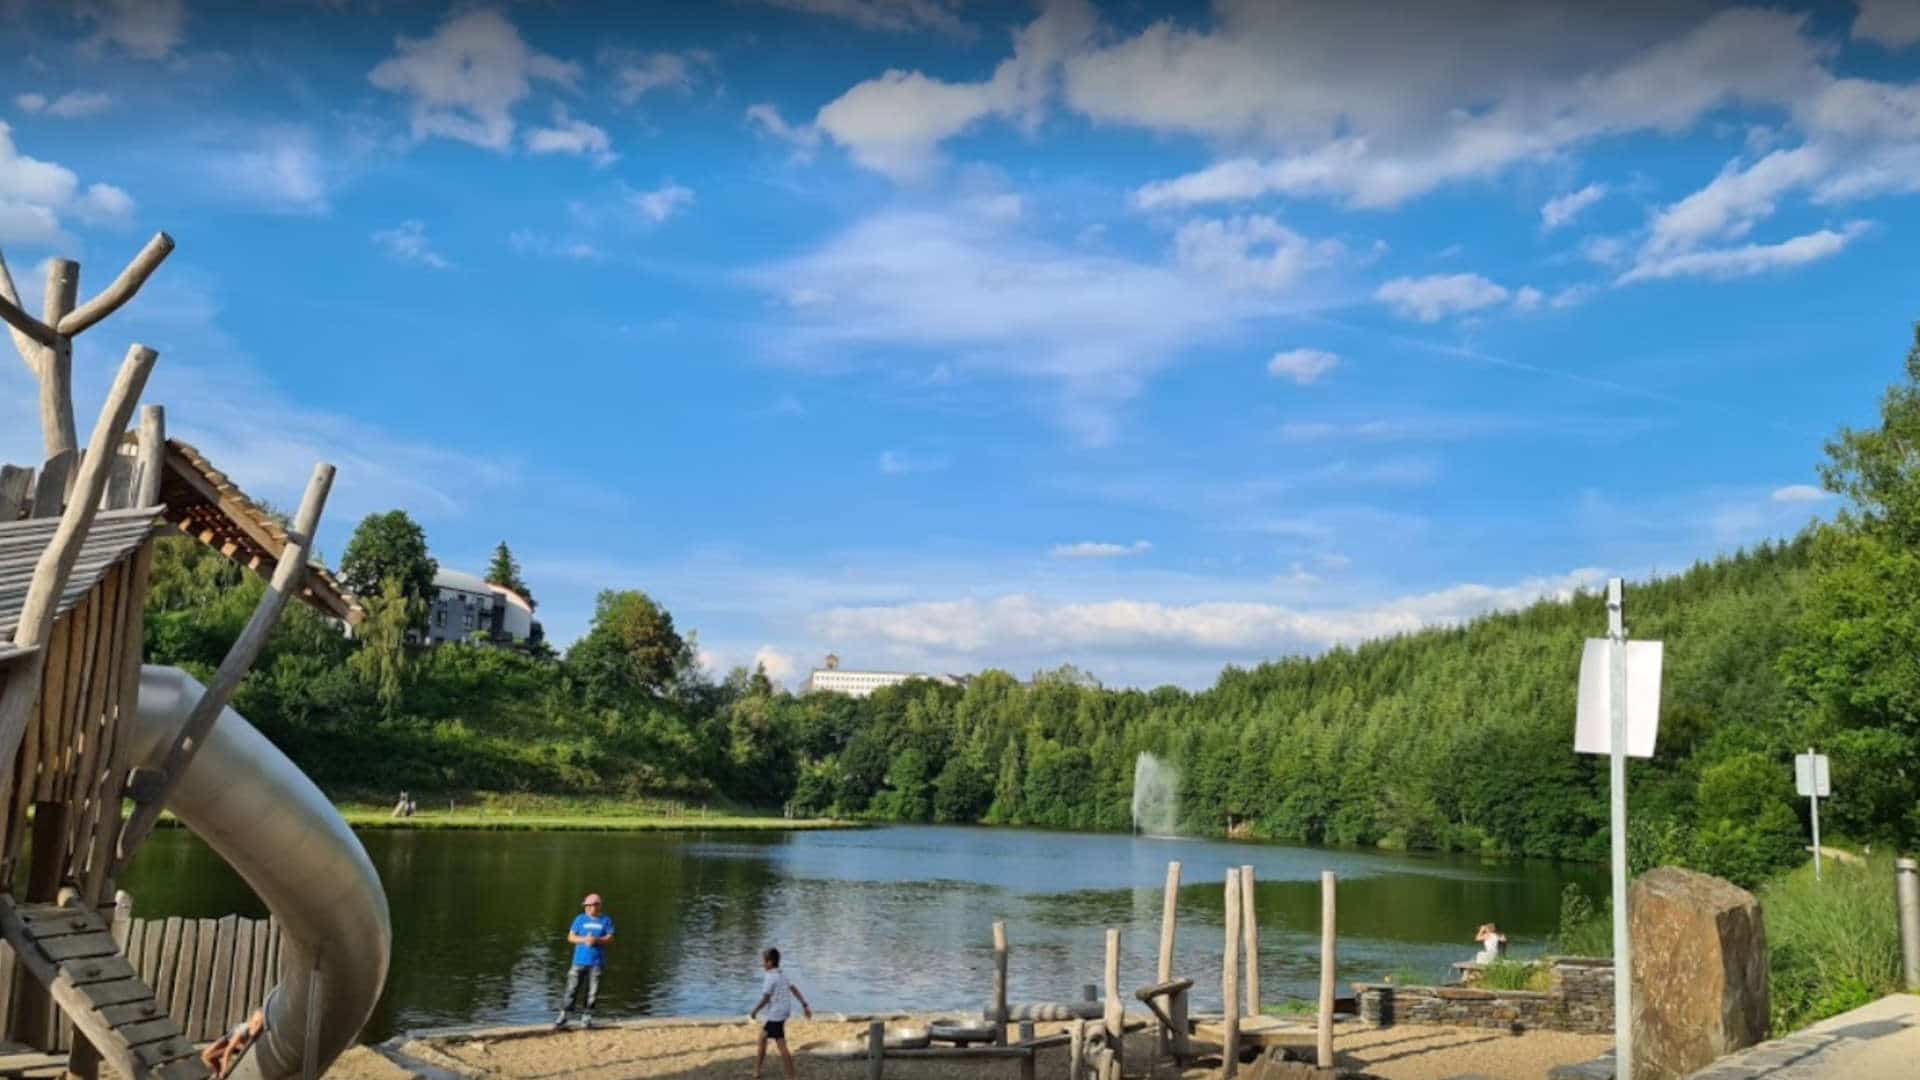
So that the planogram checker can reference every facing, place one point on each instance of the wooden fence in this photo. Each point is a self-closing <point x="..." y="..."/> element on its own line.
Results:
<point x="209" y="974"/>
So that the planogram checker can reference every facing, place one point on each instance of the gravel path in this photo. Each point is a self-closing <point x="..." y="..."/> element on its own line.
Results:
<point x="725" y="1052"/>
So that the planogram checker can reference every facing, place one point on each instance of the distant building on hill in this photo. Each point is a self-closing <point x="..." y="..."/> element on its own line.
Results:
<point x="834" y="679"/>
<point x="463" y="605"/>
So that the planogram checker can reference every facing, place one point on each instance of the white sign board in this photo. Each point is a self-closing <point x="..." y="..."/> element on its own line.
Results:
<point x="1593" y="723"/>
<point x="1810" y="775"/>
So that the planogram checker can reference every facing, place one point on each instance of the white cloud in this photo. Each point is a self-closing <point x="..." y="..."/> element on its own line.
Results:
<point x="895" y="123"/>
<point x="534" y="242"/>
<point x="407" y="242"/>
<point x="1432" y="298"/>
<point x="1026" y="623"/>
<point x="779" y="666"/>
<point x="890" y="15"/>
<point x="1562" y="209"/>
<point x="74" y="104"/>
<point x="635" y="75"/>
<point x="980" y="295"/>
<point x="1794" y="493"/>
<point x="148" y="29"/>
<point x="1303" y="366"/>
<point x="1254" y="252"/>
<point x="901" y="463"/>
<point x="30" y="103"/>
<point x="1528" y="298"/>
<point x="1095" y="549"/>
<point x="766" y="118"/>
<point x="1747" y="260"/>
<point x="1893" y="23"/>
<point x="464" y="81"/>
<point x="280" y="171"/>
<point x="575" y="137"/>
<point x="1737" y="198"/>
<point x="34" y="194"/>
<point x="661" y="203"/>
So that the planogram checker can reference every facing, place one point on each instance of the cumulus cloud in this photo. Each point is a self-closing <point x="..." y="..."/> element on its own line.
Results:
<point x="279" y="170"/>
<point x="766" y="119"/>
<point x="573" y="137"/>
<point x="464" y="81"/>
<point x="1435" y="297"/>
<point x="661" y="203"/>
<point x="779" y="665"/>
<point x="637" y="74"/>
<point x="889" y="15"/>
<point x="1562" y="209"/>
<point x="148" y="29"/>
<point x="1748" y="259"/>
<point x="1253" y="252"/>
<point x="34" y="194"/>
<point x="1893" y="23"/>
<point x="71" y="105"/>
<point x="1095" y="549"/>
<point x="1027" y="623"/>
<point x="893" y="124"/>
<point x="407" y="242"/>
<point x="1303" y="366"/>
<point x="1738" y="197"/>
<point x="1794" y="493"/>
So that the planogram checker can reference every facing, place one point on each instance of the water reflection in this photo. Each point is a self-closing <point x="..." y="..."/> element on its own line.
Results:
<point x="895" y="918"/>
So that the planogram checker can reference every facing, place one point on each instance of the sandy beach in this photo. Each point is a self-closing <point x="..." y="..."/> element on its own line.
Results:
<point x="710" y="1051"/>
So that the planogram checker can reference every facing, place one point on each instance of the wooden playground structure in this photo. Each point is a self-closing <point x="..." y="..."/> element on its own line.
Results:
<point x="1097" y="1025"/>
<point x="76" y="551"/>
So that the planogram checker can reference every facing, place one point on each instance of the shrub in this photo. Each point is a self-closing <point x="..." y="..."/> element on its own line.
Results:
<point x="1514" y="975"/>
<point x="1584" y="929"/>
<point x="1833" y="944"/>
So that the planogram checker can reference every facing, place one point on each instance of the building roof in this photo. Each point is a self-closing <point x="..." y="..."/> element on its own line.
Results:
<point x="512" y="597"/>
<point x="203" y="503"/>
<point x="115" y="535"/>
<point x="461" y="581"/>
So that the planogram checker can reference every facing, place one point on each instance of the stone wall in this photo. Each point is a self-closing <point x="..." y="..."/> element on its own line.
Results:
<point x="1579" y="998"/>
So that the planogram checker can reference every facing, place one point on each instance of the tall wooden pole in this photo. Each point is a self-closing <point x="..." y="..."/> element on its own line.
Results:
<point x="999" y="984"/>
<point x="1171" y="1040"/>
<point x="1115" y="1018"/>
<point x="1329" y="941"/>
<point x="56" y="381"/>
<point x="1230" y="981"/>
<point x="1250" y="920"/>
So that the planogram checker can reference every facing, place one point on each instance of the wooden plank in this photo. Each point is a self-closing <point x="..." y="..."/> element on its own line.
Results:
<point x="202" y="979"/>
<point x="240" y="984"/>
<point x="52" y="693"/>
<point x="136" y="938"/>
<point x="80" y="946"/>
<point x="180" y="992"/>
<point x="120" y="477"/>
<point x="154" y="935"/>
<point x="221" y="985"/>
<point x="169" y="958"/>
<point x="127" y="697"/>
<point x="7" y="974"/>
<point x="262" y="978"/>
<point x="118" y="992"/>
<point x="16" y="492"/>
<point x="132" y="1012"/>
<point x="99" y="969"/>
<point x="148" y="1031"/>
<point x="273" y="956"/>
<point x="48" y="922"/>
<point x="56" y="476"/>
<point x="83" y="786"/>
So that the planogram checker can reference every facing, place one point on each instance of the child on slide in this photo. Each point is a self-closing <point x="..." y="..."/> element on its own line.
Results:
<point x="777" y="996"/>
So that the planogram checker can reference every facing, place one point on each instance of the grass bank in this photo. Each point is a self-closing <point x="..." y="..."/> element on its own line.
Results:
<point x="497" y="811"/>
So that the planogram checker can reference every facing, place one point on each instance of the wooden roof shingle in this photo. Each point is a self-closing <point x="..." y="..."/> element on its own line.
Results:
<point x="115" y="535"/>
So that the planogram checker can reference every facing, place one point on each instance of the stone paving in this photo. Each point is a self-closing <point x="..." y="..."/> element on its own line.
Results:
<point x="1880" y="1041"/>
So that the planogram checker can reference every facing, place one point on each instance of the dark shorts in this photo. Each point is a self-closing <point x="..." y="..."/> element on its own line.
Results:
<point x="776" y="1029"/>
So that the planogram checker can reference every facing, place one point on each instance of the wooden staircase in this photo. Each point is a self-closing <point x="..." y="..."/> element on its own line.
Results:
<point x="71" y="952"/>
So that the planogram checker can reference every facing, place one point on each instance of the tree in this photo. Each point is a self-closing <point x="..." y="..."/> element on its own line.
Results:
<point x="382" y="659"/>
<point x="504" y="571"/>
<point x="390" y="546"/>
<point x="630" y="647"/>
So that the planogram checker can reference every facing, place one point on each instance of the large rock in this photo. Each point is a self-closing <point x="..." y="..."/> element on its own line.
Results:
<point x="1699" y="971"/>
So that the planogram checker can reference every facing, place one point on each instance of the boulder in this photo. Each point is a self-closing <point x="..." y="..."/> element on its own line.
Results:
<point x="1699" y="971"/>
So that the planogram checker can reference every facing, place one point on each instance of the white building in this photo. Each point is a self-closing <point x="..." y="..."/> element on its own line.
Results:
<point x="463" y="605"/>
<point x="834" y="679"/>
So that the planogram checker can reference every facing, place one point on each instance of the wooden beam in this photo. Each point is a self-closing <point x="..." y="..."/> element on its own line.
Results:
<point x="233" y="668"/>
<point x="1230" y="981"/>
<point x="1328" y="944"/>
<point x="56" y="378"/>
<point x="1250" y="925"/>
<point x="69" y="996"/>
<point x="153" y="454"/>
<point x="38" y="335"/>
<point x="999" y="1017"/>
<point x="1115" y="1019"/>
<point x="32" y="351"/>
<point x="122" y="290"/>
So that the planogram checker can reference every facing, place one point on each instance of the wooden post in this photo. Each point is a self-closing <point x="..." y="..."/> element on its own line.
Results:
<point x="876" y="1049"/>
<point x="1250" y="917"/>
<point x="999" y="1016"/>
<point x="122" y="917"/>
<point x="56" y="379"/>
<point x="1116" y="1025"/>
<point x="1169" y="913"/>
<point x="1230" y="981"/>
<point x="153" y="455"/>
<point x="1328" y="941"/>
<point x="1077" y="1051"/>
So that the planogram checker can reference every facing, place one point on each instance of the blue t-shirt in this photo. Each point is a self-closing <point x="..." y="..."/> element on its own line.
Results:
<point x="590" y="926"/>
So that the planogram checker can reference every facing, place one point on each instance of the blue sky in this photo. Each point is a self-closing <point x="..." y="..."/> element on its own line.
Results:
<point x="1148" y="337"/>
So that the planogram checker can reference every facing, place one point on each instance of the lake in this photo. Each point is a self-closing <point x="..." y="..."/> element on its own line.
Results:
<point x="873" y="919"/>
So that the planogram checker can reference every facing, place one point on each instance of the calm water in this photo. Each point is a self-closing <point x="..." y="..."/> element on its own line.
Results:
<point x="894" y="918"/>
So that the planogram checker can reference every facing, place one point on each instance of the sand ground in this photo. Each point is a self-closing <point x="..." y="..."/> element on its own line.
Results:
<point x="725" y="1052"/>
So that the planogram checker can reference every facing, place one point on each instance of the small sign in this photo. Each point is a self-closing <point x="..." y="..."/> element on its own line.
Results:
<point x="1810" y="775"/>
<point x="1593" y="723"/>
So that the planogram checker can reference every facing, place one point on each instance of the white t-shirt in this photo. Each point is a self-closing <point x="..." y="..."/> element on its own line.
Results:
<point x="779" y="995"/>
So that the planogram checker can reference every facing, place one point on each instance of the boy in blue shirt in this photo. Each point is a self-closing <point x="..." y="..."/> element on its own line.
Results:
<point x="590" y="931"/>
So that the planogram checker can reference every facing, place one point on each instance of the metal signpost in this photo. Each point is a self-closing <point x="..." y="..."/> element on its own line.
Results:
<point x="1619" y="715"/>
<point x="1810" y="777"/>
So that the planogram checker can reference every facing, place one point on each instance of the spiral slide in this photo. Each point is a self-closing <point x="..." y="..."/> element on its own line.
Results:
<point x="261" y="814"/>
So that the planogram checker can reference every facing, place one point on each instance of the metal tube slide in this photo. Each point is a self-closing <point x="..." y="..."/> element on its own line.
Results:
<point x="261" y="814"/>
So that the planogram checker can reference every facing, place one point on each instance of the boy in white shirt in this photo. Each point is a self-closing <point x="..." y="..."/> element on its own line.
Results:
<point x="777" y="996"/>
